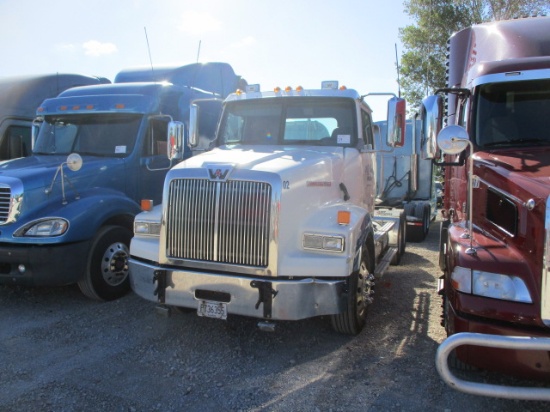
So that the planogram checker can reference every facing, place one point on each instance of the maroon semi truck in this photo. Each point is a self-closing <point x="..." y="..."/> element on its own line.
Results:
<point x="495" y="237"/>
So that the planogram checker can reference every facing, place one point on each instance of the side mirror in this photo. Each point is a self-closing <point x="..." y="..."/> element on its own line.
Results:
<point x="453" y="140"/>
<point x="397" y="112"/>
<point x="35" y="129"/>
<point x="431" y="116"/>
<point x="74" y="162"/>
<point x="204" y="115"/>
<point x="193" y="125"/>
<point x="175" y="140"/>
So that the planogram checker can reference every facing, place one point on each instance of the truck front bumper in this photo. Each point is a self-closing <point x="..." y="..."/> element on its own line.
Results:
<point x="263" y="298"/>
<point x="51" y="265"/>
<point x="529" y="364"/>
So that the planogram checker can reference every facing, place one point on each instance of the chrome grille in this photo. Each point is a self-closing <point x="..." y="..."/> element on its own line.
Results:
<point x="226" y="222"/>
<point x="5" y="196"/>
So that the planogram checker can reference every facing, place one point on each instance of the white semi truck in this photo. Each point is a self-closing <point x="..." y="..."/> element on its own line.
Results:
<point x="406" y="178"/>
<point x="277" y="221"/>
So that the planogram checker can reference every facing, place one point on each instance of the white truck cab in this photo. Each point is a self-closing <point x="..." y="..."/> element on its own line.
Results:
<point x="277" y="220"/>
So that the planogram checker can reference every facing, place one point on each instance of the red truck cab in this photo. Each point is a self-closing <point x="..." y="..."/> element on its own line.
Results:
<point x="495" y="237"/>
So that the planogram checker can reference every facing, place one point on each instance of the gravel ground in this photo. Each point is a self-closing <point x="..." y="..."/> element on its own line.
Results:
<point x="62" y="352"/>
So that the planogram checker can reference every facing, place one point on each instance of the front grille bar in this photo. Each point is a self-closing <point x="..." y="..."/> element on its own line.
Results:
<point x="226" y="222"/>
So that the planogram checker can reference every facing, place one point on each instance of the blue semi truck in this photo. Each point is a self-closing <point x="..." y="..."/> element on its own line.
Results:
<point x="66" y="211"/>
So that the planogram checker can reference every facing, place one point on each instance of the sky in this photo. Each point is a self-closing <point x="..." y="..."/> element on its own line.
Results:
<point x="273" y="43"/>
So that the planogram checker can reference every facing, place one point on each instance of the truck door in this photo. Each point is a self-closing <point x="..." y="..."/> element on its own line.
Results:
<point x="369" y="157"/>
<point x="154" y="162"/>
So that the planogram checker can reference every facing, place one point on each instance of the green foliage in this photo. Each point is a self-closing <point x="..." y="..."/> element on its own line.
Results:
<point x="423" y="61"/>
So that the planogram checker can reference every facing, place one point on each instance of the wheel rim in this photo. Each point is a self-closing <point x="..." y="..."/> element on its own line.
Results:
<point x="363" y="289"/>
<point x="114" y="264"/>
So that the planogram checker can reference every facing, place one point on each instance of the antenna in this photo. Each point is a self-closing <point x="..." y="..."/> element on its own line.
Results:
<point x="199" y="50"/>
<point x="148" y="48"/>
<point x="397" y="67"/>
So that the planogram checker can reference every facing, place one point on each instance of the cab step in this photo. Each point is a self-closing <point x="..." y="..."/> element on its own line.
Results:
<point x="384" y="262"/>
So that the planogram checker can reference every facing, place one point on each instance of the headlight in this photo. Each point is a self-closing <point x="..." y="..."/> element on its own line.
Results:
<point x="44" y="228"/>
<point x="146" y="228"/>
<point x="323" y="242"/>
<point x="491" y="285"/>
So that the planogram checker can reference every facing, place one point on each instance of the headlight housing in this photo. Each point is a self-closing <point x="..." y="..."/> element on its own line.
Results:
<point x="44" y="228"/>
<point x="146" y="228"/>
<point x="323" y="242"/>
<point x="491" y="285"/>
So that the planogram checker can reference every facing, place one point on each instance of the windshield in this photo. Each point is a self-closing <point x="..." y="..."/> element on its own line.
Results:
<point x="513" y="114"/>
<point x="99" y="134"/>
<point x="289" y="121"/>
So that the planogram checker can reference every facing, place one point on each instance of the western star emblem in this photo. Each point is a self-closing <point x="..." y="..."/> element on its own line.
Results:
<point x="219" y="172"/>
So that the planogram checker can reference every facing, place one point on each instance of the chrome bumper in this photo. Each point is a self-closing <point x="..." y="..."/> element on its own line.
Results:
<point x="491" y="341"/>
<point x="247" y="296"/>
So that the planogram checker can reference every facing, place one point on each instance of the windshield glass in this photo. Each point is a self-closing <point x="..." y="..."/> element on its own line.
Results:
<point x="289" y="121"/>
<point x="99" y="135"/>
<point x="513" y="114"/>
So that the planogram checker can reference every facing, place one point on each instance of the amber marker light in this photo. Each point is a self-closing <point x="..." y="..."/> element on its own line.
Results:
<point x="277" y="89"/>
<point x="146" y="205"/>
<point x="299" y="89"/>
<point x="344" y="217"/>
<point x="119" y="106"/>
<point x="288" y="89"/>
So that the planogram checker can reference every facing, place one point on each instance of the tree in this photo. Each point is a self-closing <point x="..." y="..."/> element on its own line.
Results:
<point x="423" y="61"/>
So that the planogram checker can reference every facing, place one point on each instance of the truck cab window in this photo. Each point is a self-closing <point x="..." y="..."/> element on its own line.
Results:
<point x="101" y="135"/>
<point x="259" y="124"/>
<point x="513" y="114"/>
<point x="17" y="142"/>
<point x="368" y="138"/>
<point x="155" y="142"/>
<point x="297" y="121"/>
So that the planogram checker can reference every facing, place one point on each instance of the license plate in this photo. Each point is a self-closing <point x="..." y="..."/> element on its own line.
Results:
<point x="209" y="309"/>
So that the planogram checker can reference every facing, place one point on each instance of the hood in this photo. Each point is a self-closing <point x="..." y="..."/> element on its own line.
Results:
<point x="295" y="161"/>
<point x="528" y="170"/>
<point x="37" y="172"/>
<point x="33" y="171"/>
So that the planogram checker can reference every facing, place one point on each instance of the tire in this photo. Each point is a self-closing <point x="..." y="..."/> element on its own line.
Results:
<point x="107" y="271"/>
<point x="352" y="320"/>
<point x="418" y="233"/>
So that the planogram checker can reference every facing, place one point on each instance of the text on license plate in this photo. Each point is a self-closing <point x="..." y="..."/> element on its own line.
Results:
<point x="217" y="310"/>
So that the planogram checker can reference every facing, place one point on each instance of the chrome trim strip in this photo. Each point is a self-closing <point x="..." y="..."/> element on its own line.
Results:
<point x="502" y="192"/>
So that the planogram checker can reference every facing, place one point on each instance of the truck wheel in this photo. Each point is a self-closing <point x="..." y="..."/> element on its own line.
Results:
<point x="352" y="320"/>
<point x="419" y="233"/>
<point x="107" y="269"/>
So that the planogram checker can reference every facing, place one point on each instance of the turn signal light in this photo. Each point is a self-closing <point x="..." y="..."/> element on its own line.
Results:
<point x="344" y="217"/>
<point x="146" y="205"/>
